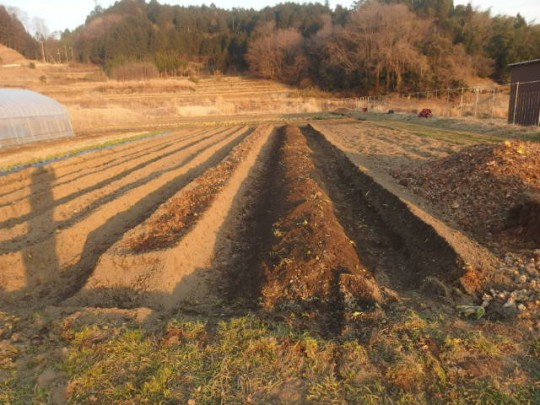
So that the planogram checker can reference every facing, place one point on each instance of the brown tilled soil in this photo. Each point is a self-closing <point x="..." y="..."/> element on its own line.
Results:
<point x="482" y="198"/>
<point x="57" y="220"/>
<point x="308" y="253"/>
<point x="325" y="240"/>
<point x="312" y="224"/>
<point x="295" y="238"/>
<point x="313" y="230"/>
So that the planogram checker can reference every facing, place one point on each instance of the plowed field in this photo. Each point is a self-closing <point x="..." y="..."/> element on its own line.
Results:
<point x="157" y="222"/>
<point x="301" y="225"/>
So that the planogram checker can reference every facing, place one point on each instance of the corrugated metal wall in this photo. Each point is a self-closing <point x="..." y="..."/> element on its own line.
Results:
<point x="524" y="106"/>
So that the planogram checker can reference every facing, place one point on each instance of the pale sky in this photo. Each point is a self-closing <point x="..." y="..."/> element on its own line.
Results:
<point x="61" y="14"/>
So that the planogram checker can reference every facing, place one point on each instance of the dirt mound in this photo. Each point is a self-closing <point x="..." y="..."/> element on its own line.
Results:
<point x="10" y="56"/>
<point x="176" y="217"/>
<point x="310" y="249"/>
<point x="493" y="191"/>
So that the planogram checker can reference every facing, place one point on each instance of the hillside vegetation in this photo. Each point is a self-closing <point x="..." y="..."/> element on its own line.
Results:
<point x="14" y="35"/>
<point x="377" y="46"/>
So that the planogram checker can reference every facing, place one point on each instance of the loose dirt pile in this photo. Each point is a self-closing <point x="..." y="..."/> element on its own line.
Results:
<point x="311" y="261"/>
<point x="492" y="191"/>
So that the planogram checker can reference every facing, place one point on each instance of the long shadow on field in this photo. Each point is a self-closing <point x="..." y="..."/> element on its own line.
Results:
<point x="46" y="205"/>
<point x="234" y="276"/>
<point x="40" y="264"/>
<point x="101" y="239"/>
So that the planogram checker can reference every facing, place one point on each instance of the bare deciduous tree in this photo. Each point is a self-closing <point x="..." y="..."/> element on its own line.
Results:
<point x="388" y="36"/>
<point x="277" y="54"/>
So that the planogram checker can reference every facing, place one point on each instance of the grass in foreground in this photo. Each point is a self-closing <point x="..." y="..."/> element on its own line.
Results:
<point x="400" y="358"/>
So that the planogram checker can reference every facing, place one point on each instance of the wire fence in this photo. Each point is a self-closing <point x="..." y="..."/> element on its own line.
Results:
<point x="525" y="103"/>
<point x="518" y="103"/>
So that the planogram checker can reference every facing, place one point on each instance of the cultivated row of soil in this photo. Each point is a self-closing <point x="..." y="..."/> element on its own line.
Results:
<point x="478" y="192"/>
<point x="249" y="265"/>
<point x="57" y="220"/>
<point x="179" y="218"/>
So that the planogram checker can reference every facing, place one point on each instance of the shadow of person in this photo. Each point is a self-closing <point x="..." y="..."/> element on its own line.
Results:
<point x="41" y="262"/>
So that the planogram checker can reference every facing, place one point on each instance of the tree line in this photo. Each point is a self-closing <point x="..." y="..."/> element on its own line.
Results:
<point x="374" y="46"/>
<point x="14" y="35"/>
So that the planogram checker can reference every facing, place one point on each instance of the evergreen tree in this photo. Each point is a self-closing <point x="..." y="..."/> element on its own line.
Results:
<point x="385" y="45"/>
<point x="14" y="35"/>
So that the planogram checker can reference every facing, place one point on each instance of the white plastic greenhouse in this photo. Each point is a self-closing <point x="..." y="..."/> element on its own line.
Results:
<point x="27" y="116"/>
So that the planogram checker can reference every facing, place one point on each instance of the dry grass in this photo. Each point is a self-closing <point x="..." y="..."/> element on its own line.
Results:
<point x="96" y="103"/>
<point x="489" y="106"/>
<point x="103" y="356"/>
<point x="9" y="56"/>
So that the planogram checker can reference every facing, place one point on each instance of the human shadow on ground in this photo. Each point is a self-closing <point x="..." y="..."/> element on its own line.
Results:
<point x="40" y="264"/>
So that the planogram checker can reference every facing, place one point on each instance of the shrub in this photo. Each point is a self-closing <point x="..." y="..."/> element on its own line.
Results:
<point x="134" y="71"/>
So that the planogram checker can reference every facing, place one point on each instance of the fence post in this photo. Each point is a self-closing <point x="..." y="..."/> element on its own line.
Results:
<point x="493" y="96"/>
<point x="461" y="102"/>
<point x="477" y="91"/>
<point x="515" y="104"/>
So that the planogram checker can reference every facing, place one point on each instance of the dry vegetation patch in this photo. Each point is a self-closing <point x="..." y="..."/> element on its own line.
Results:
<point x="10" y="56"/>
<point x="492" y="191"/>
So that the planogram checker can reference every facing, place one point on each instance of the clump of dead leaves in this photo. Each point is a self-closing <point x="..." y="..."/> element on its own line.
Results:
<point x="487" y="189"/>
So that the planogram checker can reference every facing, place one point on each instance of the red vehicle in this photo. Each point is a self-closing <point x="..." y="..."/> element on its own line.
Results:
<point x="425" y="113"/>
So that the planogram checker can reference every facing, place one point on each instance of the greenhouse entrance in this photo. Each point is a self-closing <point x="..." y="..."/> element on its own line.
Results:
<point x="27" y="117"/>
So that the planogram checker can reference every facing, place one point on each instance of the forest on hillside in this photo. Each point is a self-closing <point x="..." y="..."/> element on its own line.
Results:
<point x="375" y="47"/>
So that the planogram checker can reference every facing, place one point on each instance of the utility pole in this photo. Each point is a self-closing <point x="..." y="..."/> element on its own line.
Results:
<point x="65" y="50"/>
<point x="477" y="91"/>
<point x="493" y="97"/>
<point x="42" y="51"/>
<point x="461" y="102"/>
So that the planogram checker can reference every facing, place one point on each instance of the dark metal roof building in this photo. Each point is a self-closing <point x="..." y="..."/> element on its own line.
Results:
<point x="524" y="106"/>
